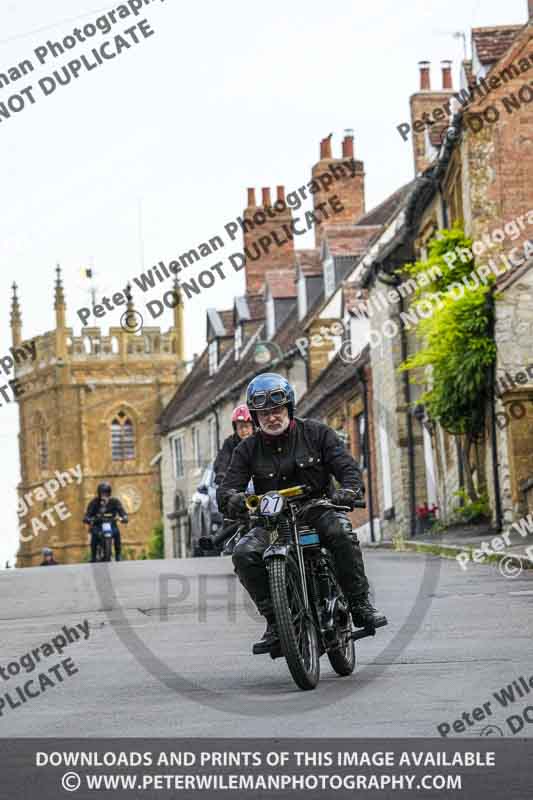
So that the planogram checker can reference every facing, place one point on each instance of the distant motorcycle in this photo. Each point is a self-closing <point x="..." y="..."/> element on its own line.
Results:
<point x="103" y="525"/>
<point x="312" y="615"/>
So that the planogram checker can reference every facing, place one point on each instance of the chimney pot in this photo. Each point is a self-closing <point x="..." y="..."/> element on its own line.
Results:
<point x="447" y="74"/>
<point x="266" y="196"/>
<point x="325" y="147"/>
<point x="251" y="198"/>
<point x="347" y="144"/>
<point x="280" y="192"/>
<point x="425" y="83"/>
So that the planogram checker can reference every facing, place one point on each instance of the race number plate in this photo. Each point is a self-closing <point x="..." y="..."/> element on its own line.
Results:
<point x="107" y="527"/>
<point x="271" y="504"/>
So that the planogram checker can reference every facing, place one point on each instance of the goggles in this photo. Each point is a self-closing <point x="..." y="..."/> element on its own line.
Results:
<point x="261" y="401"/>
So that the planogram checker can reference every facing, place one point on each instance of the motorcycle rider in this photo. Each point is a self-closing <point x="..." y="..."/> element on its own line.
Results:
<point x="242" y="425"/>
<point x="104" y="502"/>
<point x="48" y="558"/>
<point x="287" y="451"/>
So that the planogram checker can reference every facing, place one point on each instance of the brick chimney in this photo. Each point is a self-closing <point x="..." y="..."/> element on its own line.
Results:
<point x="427" y="101"/>
<point x="266" y="235"/>
<point x="343" y="177"/>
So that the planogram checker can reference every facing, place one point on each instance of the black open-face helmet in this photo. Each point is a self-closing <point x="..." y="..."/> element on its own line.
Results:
<point x="104" y="488"/>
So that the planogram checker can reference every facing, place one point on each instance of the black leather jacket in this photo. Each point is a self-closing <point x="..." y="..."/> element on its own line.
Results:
<point x="113" y="506"/>
<point x="223" y="458"/>
<point x="309" y="453"/>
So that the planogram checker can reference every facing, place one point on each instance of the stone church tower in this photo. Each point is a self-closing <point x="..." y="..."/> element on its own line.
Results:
<point x="91" y="402"/>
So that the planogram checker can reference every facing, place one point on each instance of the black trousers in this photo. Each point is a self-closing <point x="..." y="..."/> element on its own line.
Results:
<point x="335" y="531"/>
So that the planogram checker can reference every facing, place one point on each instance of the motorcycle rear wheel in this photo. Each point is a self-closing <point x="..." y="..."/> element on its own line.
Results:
<point x="297" y="631"/>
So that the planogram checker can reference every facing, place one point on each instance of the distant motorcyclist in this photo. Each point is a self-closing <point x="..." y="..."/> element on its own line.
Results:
<point x="242" y="424"/>
<point x="286" y="452"/>
<point x="48" y="558"/>
<point x="104" y="503"/>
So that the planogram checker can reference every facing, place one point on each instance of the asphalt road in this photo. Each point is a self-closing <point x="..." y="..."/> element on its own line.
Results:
<point x="169" y="653"/>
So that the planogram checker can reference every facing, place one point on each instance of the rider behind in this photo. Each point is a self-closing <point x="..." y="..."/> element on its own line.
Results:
<point x="104" y="503"/>
<point x="241" y="422"/>
<point x="288" y="451"/>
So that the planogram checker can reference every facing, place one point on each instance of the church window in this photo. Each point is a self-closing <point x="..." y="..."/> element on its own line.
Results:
<point x="122" y="438"/>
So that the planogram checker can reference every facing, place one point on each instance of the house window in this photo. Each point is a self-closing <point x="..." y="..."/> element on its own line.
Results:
<point x="302" y="298"/>
<point x="177" y="448"/>
<point x="238" y="341"/>
<point x="360" y="426"/>
<point x="212" y="437"/>
<point x="270" y="318"/>
<point x="196" y="454"/>
<point x="329" y="277"/>
<point x="213" y="356"/>
<point x="122" y="438"/>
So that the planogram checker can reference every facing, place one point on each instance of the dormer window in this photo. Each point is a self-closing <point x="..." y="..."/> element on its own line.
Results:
<point x="270" y="318"/>
<point x="329" y="276"/>
<point x="213" y="356"/>
<point x="238" y="341"/>
<point x="302" y="297"/>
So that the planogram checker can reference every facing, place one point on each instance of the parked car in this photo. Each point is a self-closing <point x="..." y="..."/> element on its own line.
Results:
<point x="205" y="518"/>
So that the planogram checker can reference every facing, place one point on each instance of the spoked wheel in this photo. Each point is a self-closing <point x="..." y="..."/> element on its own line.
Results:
<point x="342" y="658"/>
<point x="296" y="628"/>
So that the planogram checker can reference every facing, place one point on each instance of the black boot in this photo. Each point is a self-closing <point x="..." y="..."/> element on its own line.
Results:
<point x="269" y="639"/>
<point x="365" y="615"/>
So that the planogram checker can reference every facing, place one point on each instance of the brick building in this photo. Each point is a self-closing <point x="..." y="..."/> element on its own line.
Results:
<point x="93" y="401"/>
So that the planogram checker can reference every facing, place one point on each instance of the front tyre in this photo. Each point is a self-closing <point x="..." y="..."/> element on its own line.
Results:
<point x="297" y="631"/>
<point x="108" y="543"/>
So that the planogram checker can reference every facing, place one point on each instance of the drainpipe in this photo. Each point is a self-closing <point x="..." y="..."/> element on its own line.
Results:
<point x="409" y="419"/>
<point x="395" y="281"/>
<point x="494" y="444"/>
<point x="363" y="379"/>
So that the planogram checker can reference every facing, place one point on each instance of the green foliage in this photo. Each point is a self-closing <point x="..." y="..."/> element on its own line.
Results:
<point x="457" y="345"/>
<point x="470" y="512"/>
<point x="156" y="544"/>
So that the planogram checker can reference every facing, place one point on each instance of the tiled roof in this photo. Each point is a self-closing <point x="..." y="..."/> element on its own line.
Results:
<point x="492" y="43"/>
<point x="281" y="283"/>
<point x="348" y="240"/>
<point x="336" y="374"/>
<point x="309" y="261"/>
<point x="381" y="213"/>
<point x="199" y="390"/>
<point x="436" y="133"/>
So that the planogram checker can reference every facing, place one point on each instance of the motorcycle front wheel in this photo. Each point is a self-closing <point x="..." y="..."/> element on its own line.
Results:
<point x="296" y="628"/>
<point x="108" y="543"/>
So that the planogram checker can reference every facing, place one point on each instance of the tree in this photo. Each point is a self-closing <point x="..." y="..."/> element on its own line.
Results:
<point x="457" y="347"/>
<point x="156" y="544"/>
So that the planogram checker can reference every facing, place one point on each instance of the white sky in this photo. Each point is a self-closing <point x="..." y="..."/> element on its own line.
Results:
<point x="222" y="97"/>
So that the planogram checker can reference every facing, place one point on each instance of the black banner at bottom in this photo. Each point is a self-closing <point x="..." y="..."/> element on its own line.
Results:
<point x="486" y="768"/>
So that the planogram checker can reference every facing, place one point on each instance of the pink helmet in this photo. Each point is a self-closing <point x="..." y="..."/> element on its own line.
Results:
<point x="240" y="414"/>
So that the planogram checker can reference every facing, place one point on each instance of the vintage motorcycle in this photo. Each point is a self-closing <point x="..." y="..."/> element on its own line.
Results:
<point x="312" y="616"/>
<point x="103" y="524"/>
